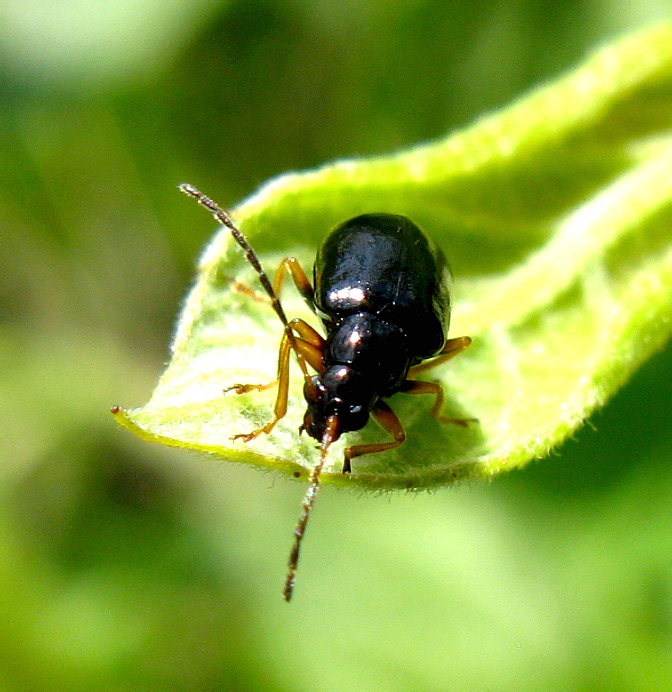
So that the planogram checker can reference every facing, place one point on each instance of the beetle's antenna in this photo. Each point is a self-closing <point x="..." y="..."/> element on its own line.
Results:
<point x="330" y="434"/>
<point x="223" y="218"/>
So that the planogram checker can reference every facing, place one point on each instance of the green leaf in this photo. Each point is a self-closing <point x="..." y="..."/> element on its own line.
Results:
<point x="556" y="214"/>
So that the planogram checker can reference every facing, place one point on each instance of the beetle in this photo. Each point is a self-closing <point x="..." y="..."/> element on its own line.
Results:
<point x="381" y="288"/>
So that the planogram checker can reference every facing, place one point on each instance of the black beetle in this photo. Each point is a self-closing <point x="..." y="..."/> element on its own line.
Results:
<point x="381" y="288"/>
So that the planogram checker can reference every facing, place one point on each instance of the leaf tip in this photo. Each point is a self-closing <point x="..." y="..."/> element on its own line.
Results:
<point x="122" y="417"/>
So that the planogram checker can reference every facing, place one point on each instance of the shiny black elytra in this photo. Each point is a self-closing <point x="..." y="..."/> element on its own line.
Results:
<point x="381" y="288"/>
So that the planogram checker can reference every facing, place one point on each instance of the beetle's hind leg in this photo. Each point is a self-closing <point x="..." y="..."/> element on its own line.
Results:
<point x="452" y="348"/>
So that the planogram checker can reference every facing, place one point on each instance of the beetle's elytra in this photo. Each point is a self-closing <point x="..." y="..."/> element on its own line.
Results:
<point x="381" y="288"/>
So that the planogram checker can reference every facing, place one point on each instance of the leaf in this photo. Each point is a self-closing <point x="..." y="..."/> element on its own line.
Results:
<point x="556" y="214"/>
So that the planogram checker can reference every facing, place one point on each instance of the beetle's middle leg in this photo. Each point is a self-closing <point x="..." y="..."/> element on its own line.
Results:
<point x="289" y="265"/>
<point x="422" y="387"/>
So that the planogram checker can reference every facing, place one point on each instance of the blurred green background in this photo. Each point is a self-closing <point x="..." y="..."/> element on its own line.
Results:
<point x="127" y="566"/>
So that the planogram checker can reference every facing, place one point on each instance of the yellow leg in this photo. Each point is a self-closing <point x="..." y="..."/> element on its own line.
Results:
<point x="422" y="387"/>
<point x="452" y="348"/>
<point x="388" y="420"/>
<point x="309" y="345"/>
<point x="301" y="281"/>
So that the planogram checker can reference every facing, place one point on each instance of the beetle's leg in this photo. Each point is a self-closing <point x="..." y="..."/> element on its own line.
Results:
<point x="245" y="388"/>
<point x="452" y="348"/>
<point x="422" y="387"/>
<point x="309" y="346"/>
<point x="301" y="281"/>
<point x="241" y="287"/>
<point x="388" y="421"/>
<point x="280" y="408"/>
<point x="299" y="277"/>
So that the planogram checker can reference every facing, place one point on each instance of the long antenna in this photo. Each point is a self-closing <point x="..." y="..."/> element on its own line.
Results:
<point x="330" y="434"/>
<point x="223" y="218"/>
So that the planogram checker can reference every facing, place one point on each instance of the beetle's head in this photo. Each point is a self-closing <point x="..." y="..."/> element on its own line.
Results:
<point x="341" y="392"/>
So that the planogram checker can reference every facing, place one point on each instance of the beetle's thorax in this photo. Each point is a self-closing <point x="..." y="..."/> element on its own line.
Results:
<point x="371" y="346"/>
<point x="365" y="358"/>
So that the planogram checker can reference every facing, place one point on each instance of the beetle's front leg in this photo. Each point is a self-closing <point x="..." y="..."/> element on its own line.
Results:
<point x="282" y="381"/>
<point x="309" y="346"/>
<point x="388" y="421"/>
